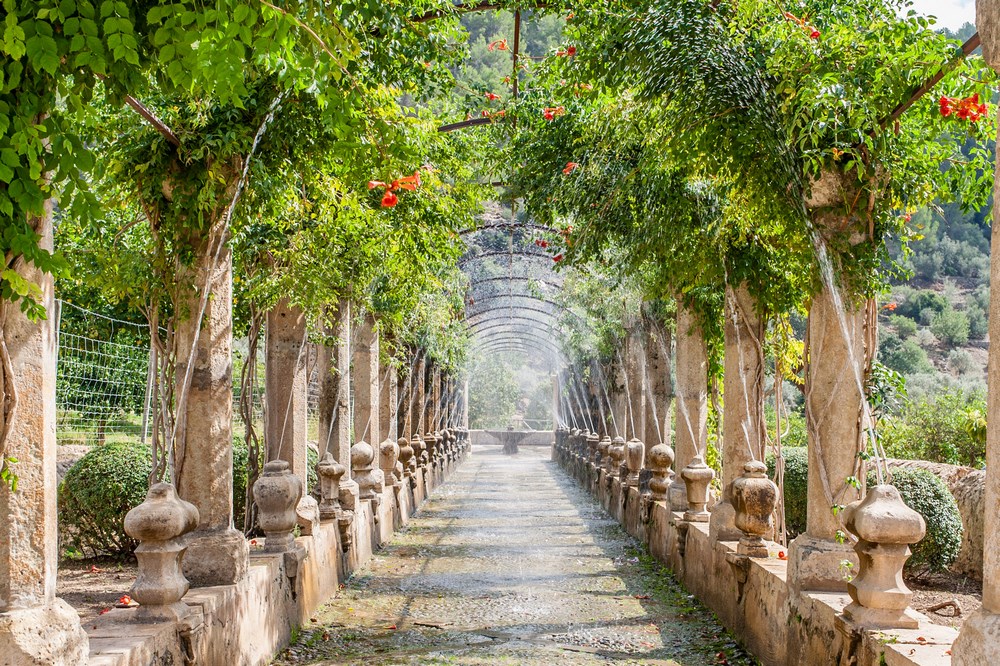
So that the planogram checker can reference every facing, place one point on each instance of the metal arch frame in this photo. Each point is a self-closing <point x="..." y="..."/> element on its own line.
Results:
<point x="520" y="308"/>
<point x="514" y="346"/>
<point x="506" y="225"/>
<point x="524" y="323"/>
<point x="513" y="278"/>
<point x="484" y="255"/>
<point x="562" y="308"/>
<point x="517" y="335"/>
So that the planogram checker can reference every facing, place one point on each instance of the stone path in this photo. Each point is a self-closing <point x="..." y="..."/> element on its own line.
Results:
<point x="511" y="563"/>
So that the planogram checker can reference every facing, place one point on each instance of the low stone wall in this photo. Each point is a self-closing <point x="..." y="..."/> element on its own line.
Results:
<point x="247" y="623"/>
<point x="751" y="596"/>
<point x="492" y="437"/>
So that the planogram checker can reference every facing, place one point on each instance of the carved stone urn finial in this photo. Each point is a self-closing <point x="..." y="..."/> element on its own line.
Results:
<point x="661" y="457"/>
<point x="362" y="457"/>
<point x="277" y="492"/>
<point x="697" y="475"/>
<point x="406" y="457"/>
<point x="885" y="528"/>
<point x="635" y="452"/>
<point x="754" y="498"/>
<point x="329" y="472"/>
<point x="388" y="456"/>
<point x="617" y="456"/>
<point x="159" y="525"/>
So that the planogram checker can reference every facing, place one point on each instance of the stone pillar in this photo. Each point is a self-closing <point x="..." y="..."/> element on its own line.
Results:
<point x="335" y="395"/>
<point x="420" y="395"/>
<point x="660" y="389"/>
<point x="285" y="387"/>
<point x="217" y="553"/>
<point x="691" y="419"/>
<point x="617" y="398"/>
<point x="978" y="643"/>
<point x="465" y="404"/>
<point x="366" y="382"/>
<point x="388" y="401"/>
<point x="35" y="626"/>
<point x="434" y="400"/>
<point x="743" y="417"/>
<point x="834" y="405"/>
<point x="635" y="382"/>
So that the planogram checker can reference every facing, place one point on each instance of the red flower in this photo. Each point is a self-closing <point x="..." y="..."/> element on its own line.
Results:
<point x="570" y="16"/>
<point x="813" y="32"/>
<point x="407" y="182"/>
<point x="967" y="108"/>
<point x="389" y="199"/>
<point x="372" y="184"/>
<point x="541" y="242"/>
<point x="570" y="167"/>
<point x="106" y="610"/>
<point x="567" y="52"/>
<point x="125" y="600"/>
<point x="498" y="45"/>
<point x="550" y="112"/>
<point x="492" y="97"/>
<point x="558" y="257"/>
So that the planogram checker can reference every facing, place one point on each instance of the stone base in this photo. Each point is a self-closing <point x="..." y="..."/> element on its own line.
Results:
<point x="307" y="515"/>
<point x="881" y="618"/>
<point x="722" y="524"/>
<point x="815" y="564"/>
<point x="677" y="494"/>
<point x="49" y="635"/>
<point x="216" y="557"/>
<point x="978" y="642"/>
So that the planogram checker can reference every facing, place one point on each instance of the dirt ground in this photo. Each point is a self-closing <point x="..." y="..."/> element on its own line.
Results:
<point x="91" y="586"/>
<point x="933" y="589"/>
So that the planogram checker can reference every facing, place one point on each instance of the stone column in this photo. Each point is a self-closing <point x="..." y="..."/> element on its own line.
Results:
<point x="692" y="400"/>
<point x="635" y="382"/>
<point x="366" y="383"/>
<point x="285" y="387"/>
<point x="617" y="398"/>
<point x="834" y="404"/>
<point x="420" y="395"/>
<point x="434" y="403"/>
<point x="465" y="404"/>
<point x="660" y="390"/>
<point x="978" y="643"/>
<point x="335" y="394"/>
<point x="35" y="626"/>
<point x="217" y="553"/>
<point x="388" y="401"/>
<point x="743" y="417"/>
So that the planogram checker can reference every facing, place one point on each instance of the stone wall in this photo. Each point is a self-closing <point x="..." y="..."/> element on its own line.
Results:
<point x="247" y="623"/>
<point x="751" y="597"/>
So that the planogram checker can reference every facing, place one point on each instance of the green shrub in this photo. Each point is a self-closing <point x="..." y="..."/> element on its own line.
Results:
<point x="795" y="485"/>
<point x="978" y="326"/>
<point x="945" y="428"/>
<point x="906" y="357"/>
<point x="915" y="303"/>
<point x="928" y="495"/>
<point x="905" y="327"/>
<point x="951" y="327"/>
<point x="97" y="492"/>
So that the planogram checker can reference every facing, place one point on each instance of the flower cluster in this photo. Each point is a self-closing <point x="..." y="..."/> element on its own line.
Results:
<point x="492" y="97"/>
<point x="550" y="112"/>
<point x="966" y="108"/>
<point x="570" y="167"/>
<point x="389" y="199"/>
<point x="812" y="31"/>
<point x="567" y="52"/>
<point x="542" y="243"/>
<point x="498" y="45"/>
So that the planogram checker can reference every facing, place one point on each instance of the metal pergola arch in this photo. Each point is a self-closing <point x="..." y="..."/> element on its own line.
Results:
<point x="506" y="253"/>
<point x="506" y="225"/>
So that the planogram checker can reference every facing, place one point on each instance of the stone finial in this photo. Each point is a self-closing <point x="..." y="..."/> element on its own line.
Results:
<point x="885" y="528"/>
<point x="635" y="451"/>
<point x="697" y="475"/>
<point x="406" y="457"/>
<point x="419" y="455"/>
<point x="277" y="492"/>
<point x="661" y="457"/>
<point x="592" y="442"/>
<point x="754" y="498"/>
<point x="617" y="453"/>
<point x="159" y="524"/>
<point x="603" y="454"/>
<point x="329" y="472"/>
<point x="362" y="456"/>
<point x="388" y="456"/>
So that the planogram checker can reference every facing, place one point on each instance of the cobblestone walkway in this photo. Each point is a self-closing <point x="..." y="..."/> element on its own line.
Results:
<point x="511" y="563"/>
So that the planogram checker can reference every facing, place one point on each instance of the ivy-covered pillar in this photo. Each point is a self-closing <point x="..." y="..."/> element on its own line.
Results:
<point x="35" y="626"/>
<point x="978" y="641"/>
<point x="334" y="360"/>
<point x="743" y="417"/>
<point x="286" y="387"/>
<point x="434" y="406"/>
<point x="366" y="383"/>
<point x="617" y="398"/>
<point x="834" y="402"/>
<point x="388" y="401"/>
<point x="659" y="388"/>
<point x="217" y="553"/>
<point x="691" y="407"/>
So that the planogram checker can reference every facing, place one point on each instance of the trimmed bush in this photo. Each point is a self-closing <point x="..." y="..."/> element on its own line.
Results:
<point x="928" y="495"/>
<point x="905" y="327"/>
<point x="796" y="489"/>
<point x="97" y="492"/>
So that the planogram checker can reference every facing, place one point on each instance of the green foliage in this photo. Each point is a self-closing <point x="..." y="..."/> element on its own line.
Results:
<point x="951" y="327"/>
<point x="928" y="495"/>
<point x="905" y="327"/>
<point x="906" y="357"/>
<point x="97" y="492"/>
<point x="795" y="486"/>
<point x="915" y="303"/>
<point x="494" y="394"/>
<point x="945" y="428"/>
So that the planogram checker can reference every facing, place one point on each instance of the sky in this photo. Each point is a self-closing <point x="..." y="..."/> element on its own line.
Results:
<point x="950" y="13"/>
